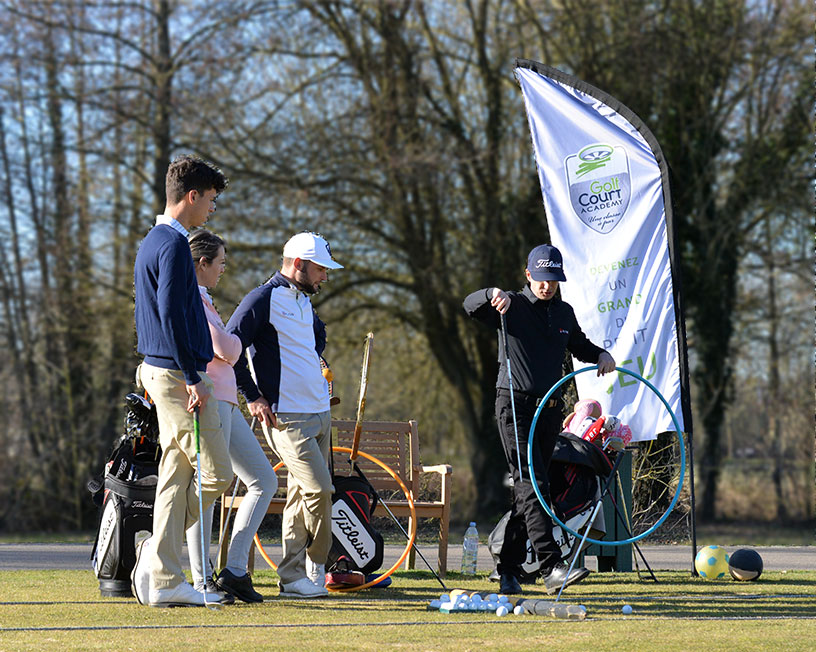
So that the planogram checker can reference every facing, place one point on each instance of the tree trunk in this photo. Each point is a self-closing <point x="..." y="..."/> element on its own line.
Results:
<point x="775" y="434"/>
<point x="162" y="141"/>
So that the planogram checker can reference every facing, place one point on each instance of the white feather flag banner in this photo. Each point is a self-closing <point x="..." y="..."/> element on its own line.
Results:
<point x="606" y="193"/>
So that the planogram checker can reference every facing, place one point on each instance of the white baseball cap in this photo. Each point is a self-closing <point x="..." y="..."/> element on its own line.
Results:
<point x="310" y="246"/>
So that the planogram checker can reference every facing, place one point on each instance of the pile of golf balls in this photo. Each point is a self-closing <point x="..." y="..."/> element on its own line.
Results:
<point x="460" y="601"/>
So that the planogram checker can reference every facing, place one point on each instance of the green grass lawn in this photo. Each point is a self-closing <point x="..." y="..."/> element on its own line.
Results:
<point x="62" y="610"/>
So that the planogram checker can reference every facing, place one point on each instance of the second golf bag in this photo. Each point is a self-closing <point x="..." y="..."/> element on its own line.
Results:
<point x="357" y="548"/>
<point x="576" y="470"/>
<point x="125" y="492"/>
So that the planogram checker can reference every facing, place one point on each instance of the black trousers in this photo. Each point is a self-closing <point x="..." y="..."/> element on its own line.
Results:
<point x="527" y="516"/>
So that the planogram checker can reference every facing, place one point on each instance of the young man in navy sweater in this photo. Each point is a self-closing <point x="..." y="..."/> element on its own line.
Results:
<point x="174" y="339"/>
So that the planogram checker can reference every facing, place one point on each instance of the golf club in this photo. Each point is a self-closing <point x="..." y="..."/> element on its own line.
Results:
<point x="399" y="525"/>
<point x="232" y="501"/>
<point x="361" y="402"/>
<point x="510" y="382"/>
<point x="213" y="606"/>
<point x="229" y="513"/>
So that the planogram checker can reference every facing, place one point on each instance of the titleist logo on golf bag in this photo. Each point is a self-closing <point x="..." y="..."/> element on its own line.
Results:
<point x="353" y="537"/>
<point x="353" y="532"/>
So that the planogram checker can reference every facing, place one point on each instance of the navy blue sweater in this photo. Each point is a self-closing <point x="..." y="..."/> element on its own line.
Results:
<point x="538" y="334"/>
<point x="252" y="322"/>
<point x="170" y="322"/>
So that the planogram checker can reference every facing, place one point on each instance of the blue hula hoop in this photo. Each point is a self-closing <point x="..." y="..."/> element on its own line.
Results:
<point x="548" y="509"/>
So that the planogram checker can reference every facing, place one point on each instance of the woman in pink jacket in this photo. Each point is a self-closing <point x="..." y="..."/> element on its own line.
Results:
<point x="247" y="457"/>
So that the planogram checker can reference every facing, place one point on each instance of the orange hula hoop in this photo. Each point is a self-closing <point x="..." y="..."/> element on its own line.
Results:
<point x="411" y="536"/>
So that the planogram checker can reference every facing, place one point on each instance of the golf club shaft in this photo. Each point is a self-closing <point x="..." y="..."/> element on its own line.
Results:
<point x="399" y="525"/>
<point x="510" y="382"/>
<point x="229" y="513"/>
<point x="232" y="501"/>
<point x="413" y="544"/>
<point x="204" y="555"/>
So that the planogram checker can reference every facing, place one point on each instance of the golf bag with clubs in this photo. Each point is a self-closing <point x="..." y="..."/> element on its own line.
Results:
<point x="357" y="548"/>
<point x="577" y="469"/>
<point x="125" y="493"/>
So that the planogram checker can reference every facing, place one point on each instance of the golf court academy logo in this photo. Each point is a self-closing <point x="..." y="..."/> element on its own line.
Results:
<point x="599" y="185"/>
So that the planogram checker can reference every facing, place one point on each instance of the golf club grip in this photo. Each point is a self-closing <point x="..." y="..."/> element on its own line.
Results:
<point x="267" y="436"/>
<point x="197" y="429"/>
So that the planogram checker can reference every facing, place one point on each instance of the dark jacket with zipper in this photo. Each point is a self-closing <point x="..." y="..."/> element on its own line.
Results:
<point x="538" y="334"/>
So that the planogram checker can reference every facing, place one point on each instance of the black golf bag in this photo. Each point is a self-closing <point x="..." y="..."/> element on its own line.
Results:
<point x="356" y="545"/>
<point x="125" y="492"/>
<point x="577" y="468"/>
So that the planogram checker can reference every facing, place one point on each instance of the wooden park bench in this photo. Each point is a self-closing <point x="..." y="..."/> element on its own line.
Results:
<point x="396" y="444"/>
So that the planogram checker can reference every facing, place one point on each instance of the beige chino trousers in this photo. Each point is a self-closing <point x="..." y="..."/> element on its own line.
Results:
<point x="302" y="442"/>
<point x="176" y="505"/>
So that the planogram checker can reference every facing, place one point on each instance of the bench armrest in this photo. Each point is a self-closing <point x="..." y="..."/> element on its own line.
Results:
<point x="442" y="469"/>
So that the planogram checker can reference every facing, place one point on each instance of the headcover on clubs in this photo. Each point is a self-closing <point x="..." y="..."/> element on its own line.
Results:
<point x="587" y="422"/>
<point x="342" y="576"/>
<point x="142" y="419"/>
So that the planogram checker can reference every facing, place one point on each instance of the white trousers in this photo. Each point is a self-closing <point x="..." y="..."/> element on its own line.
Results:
<point x="253" y="468"/>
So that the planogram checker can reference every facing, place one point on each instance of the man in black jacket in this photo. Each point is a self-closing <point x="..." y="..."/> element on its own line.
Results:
<point x="540" y="328"/>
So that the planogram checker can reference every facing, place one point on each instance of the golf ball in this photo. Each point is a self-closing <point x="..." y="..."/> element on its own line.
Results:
<point x="502" y="611"/>
<point x="627" y="609"/>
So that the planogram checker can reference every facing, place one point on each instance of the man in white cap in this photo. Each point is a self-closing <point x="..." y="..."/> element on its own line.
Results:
<point x="286" y="391"/>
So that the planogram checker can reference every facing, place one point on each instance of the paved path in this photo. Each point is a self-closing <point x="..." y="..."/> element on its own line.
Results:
<point x="76" y="556"/>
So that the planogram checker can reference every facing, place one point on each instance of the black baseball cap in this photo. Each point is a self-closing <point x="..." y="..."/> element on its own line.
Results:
<point x="545" y="264"/>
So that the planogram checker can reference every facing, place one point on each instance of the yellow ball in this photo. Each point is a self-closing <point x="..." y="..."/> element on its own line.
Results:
<point x="712" y="563"/>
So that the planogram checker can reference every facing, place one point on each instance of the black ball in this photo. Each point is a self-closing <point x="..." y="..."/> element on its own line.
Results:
<point x="745" y="565"/>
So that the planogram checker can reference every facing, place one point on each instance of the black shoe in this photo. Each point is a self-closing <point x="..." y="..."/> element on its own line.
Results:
<point x="240" y="587"/>
<point x="554" y="580"/>
<point x="509" y="584"/>
<point x="215" y="595"/>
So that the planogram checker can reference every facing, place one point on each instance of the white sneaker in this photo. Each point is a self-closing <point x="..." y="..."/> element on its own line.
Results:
<point x="315" y="572"/>
<point x="302" y="588"/>
<point x="183" y="595"/>
<point x="140" y="576"/>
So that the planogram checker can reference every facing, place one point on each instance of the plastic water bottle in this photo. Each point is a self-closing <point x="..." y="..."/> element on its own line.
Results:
<point x="470" y="549"/>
